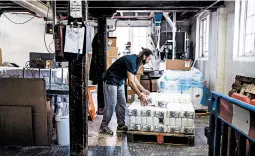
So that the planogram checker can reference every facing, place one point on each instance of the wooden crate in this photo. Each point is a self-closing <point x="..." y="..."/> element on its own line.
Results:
<point x="202" y="112"/>
<point x="160" y="138"/>
<point x="244" y="86"/>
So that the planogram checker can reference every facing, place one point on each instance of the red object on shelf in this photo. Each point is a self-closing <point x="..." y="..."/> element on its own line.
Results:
<point x="241" y="97"/>
<point x="253" y="102"/>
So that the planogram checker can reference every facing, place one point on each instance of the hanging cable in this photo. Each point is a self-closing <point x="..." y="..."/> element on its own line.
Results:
<point x="14" y="21"/>
<point x="50" y="45"/>
<point x="45" y="31"/>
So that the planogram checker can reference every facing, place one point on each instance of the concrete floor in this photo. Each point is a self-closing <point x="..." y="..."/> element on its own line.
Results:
<point x="103" y="145"/>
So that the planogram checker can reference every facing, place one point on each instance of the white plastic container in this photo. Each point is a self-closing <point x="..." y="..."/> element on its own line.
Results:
<point x="63" y="135"/>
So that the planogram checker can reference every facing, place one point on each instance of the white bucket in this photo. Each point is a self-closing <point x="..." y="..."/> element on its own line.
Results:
<point x="63" y="135"/>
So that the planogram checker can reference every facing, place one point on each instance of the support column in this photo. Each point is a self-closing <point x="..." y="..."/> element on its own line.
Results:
<point x="101" y="61"/>
<point x="174" y="33"/>
<point x="78" y="106"/>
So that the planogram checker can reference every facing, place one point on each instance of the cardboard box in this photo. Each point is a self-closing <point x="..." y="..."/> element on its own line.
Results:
<point x="112" y="52"/>
<point x="146" y="85"/>
<point x="130" y="98"/>
<point x="178" y="64"/>
<point x="110" y="61"/>
<point x="111" y="42"/>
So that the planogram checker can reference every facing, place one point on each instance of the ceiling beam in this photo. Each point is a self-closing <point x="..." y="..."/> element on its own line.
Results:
<point x="36" y="7"/>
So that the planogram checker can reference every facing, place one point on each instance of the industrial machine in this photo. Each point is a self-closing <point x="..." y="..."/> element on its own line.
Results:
<point x="181" y="48"/>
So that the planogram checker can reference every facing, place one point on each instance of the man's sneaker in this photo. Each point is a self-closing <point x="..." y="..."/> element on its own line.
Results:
<point x="122" y="128"/>
<point x="106" y="130"/>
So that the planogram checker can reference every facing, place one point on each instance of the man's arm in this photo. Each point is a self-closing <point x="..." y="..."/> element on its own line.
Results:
<point x="132" y="83"/>
<point x="140" y="87"/>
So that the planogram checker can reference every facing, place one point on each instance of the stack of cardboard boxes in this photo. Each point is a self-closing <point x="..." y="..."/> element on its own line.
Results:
<point x="130" y="92"/>
<point x="112" y="51"/>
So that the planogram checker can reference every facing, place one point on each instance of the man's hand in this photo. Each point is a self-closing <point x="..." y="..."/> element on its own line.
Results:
<point x="146" y="92"/>
<point x="143" y="99"/>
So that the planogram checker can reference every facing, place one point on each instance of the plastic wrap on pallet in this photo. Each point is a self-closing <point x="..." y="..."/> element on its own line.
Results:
<point x="184" y="82"/>
<point x="173" y="81"/>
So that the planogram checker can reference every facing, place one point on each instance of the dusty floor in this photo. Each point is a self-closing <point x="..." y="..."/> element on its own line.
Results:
<point x="103" y="145"/>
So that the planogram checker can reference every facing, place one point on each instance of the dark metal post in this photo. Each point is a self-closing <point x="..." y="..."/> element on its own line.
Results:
<point x="78" y="106"/>
<point x="232" y="142"/>
<point x="251" y="148"/>
<point x="224" y="145"/>
<point x="241" y="145"/>
<point x="217" y="136"/>
<point x="211" y="135"/>
<point x="101" y="62"/>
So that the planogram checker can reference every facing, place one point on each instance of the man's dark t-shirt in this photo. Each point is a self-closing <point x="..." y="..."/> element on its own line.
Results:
<point x="117" y="72"/>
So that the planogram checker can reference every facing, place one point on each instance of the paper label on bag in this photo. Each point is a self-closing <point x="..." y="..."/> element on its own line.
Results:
<point x="146" y="128"/>
<point x="128" y="88"/>
<point x="109" y="42"/>
<point x="134" y="127"/>
<point x="113" y="60"/>
<point x="132" y="112"/>
<point x="189" y="130"/>
<point x="146" y="113"/>
<point x="187" y="64"/>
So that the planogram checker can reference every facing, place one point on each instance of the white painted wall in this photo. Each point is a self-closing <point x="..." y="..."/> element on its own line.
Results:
<point x="220" y="69"/>
<point x="234" y="68"/>
<point x="18" y="40"/>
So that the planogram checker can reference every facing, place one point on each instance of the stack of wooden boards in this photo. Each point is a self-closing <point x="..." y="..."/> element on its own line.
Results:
<point x="167" y="114"/>
<point x="244" y="86"/>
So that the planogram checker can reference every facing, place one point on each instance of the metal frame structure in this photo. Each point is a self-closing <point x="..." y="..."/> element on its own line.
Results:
<point x="172" y="24"/>
<point x="232" y="127"/>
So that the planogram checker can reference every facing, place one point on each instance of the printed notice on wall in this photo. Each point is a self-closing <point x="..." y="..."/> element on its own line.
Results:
<point x="74" y="39"/>
<point x="75" y="9"/>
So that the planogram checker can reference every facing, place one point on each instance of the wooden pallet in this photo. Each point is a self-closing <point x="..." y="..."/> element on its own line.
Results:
<point x="202" y="112"/>
<point x="160" y="138"/>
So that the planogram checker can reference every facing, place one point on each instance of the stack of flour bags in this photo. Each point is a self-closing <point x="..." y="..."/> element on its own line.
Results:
<point x="166" y="113"/>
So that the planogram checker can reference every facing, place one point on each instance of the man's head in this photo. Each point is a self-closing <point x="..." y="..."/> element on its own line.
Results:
<point x="145" y="55"/>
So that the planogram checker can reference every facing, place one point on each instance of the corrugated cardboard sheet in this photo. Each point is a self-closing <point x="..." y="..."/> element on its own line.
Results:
<point x="28" y="92"/>
<point x="16" y="125"/>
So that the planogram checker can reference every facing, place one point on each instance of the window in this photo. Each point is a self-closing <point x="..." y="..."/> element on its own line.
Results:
<point x="244" y="39"/>
<point x="139" y="39"/>
<point x="204" y="37"/>
<point x="123" y="36"/>
<point x="136" y="35"/>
